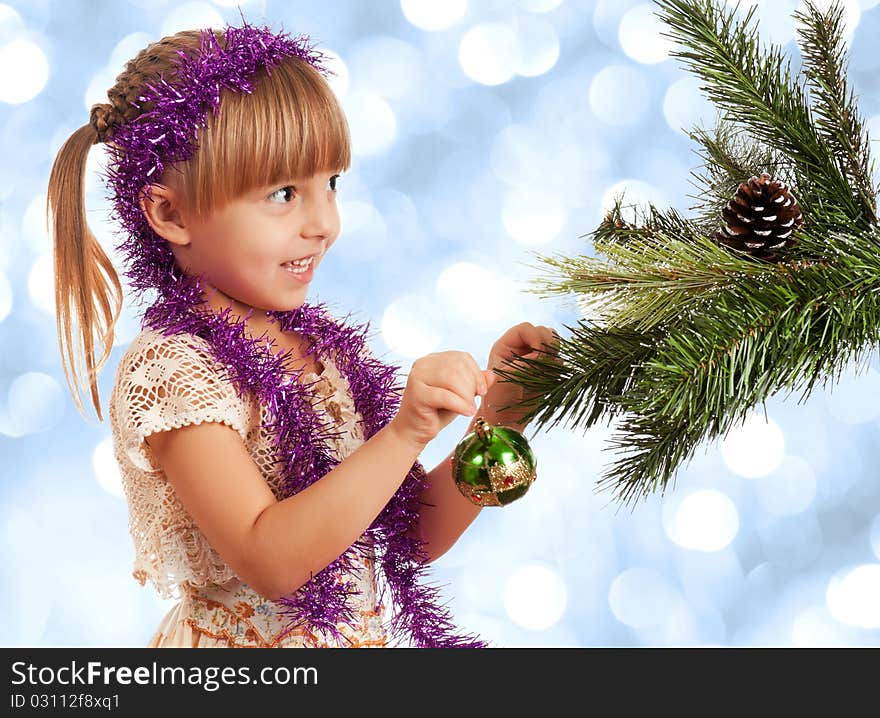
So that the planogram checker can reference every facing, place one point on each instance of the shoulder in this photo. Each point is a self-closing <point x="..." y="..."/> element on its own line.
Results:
<point x="170" y="381"/>
<point x="154" y="346"/>
<point x="154" y="359"/>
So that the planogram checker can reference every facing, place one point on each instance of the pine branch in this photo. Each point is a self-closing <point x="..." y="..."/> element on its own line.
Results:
<point x="838" y="123"/>
<point x="791" y="326"/>
<point x="753" y="87"/>
<point x="691" y="335"/>
<point x="647" y="285"/>
<point x="717" y="366"/>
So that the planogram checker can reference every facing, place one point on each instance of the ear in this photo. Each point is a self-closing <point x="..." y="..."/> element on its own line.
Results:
<point x="162" y="211"/>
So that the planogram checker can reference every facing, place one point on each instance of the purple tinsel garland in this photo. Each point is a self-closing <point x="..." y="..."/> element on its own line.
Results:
<point x="166" y="134"/>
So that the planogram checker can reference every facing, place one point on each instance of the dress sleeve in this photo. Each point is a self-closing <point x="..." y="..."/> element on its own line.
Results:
<point x="168" y="382"/>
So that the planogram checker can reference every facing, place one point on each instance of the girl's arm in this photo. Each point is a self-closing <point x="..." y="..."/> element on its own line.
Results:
<point x="445" y="513"/>
<point x="276" y="546"/>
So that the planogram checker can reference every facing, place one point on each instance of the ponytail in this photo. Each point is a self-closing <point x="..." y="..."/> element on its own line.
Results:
<point x="87" y="288"/>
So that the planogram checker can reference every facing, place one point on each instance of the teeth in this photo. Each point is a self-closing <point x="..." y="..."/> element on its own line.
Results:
<point x="299" y="266"/>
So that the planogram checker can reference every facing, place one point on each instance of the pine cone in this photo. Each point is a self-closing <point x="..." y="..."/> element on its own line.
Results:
<point x="761" y="218"/>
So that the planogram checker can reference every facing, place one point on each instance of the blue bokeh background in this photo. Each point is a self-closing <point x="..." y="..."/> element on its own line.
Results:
<point x="482" y="131"/>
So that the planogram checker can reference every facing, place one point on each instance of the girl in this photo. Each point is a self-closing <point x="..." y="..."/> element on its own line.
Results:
<point x="269" y="462"/>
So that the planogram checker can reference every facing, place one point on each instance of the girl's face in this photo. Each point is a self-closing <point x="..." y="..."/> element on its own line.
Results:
<point x="246" y="249"/>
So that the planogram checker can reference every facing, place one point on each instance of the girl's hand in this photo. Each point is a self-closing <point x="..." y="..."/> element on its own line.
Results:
<point x="524" y="340"/>
<point x="440" y="387"/>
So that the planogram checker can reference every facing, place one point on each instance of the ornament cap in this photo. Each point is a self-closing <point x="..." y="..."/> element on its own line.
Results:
<point x="482" y="429"/>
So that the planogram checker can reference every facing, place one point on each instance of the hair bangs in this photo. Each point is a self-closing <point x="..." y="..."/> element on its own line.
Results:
<point x="290" y="127"/>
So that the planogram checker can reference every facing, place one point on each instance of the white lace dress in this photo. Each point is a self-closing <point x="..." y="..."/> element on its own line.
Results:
<point x="169" y="382"/>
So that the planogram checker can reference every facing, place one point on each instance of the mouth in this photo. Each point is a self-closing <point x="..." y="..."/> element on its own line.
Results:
<point x="300" y="266"/>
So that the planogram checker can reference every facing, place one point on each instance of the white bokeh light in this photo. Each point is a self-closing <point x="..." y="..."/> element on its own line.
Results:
<point x="24" y="71"/>
<point x="432" y="15"/>
<point x="634" y="193"/>
<point x="372" y="122"/>
<point x="11" y="24"/>
<point x="641" y="597"/>
<point x="684" y="106"/>
<point x="853" y="399"/>
<point x="619" y="96"/>
<point x="490" y="53"/>
<point x="705" y="520"/>
<point x="465" y="285"/>
<point x="640" y="37"/>
<point x="5" y="296"/>
<point x="406" y="326"/>
<point x="754" y="448"/>
<point x="41" y="283"/>
<point x="853" y="597"/>
<point x="532" y="217"/>
<point x="788" y="490"/>
<point x="35" y="404"/>
<point x="535" y="597"/>
<point x="538" y="45"/>
<point x="340" y="76"/>
<point x="191" y="15"/>
<point x="814" y="628"/>
<point x="107" y="468"/>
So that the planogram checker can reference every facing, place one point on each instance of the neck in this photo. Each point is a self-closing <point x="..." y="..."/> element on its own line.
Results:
<point x="258" y="323"/>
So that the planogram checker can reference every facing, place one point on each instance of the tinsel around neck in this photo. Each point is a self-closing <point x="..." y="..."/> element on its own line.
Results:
<point x="301" y="431"/>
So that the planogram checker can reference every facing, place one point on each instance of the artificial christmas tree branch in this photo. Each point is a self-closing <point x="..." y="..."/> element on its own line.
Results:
<point x="820" y="38"/>
<point x="691" y="327"/>
<point x="753" y="87"/>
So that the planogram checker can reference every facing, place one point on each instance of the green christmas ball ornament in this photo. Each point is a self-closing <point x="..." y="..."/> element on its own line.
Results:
<point x="494" y="465"/>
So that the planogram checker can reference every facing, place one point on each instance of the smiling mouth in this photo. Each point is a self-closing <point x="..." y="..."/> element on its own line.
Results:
<point x="299" y="266"/>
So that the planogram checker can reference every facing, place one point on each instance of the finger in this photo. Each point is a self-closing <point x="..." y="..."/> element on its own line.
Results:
<point x="519" y="338"/>
<point x="468" y="378"/>
<point x="549" y="338"/>
<point x="533" y="336"/>
<point x="458" y="376"/>
<point x="480" y="381"/>
<point x="441" y="398"/>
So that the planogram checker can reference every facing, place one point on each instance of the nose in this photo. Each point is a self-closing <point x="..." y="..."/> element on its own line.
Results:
<point x="320" y="218"/>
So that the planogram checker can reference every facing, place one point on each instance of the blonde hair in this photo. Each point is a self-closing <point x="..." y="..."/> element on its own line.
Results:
<point x="290" y="126"/>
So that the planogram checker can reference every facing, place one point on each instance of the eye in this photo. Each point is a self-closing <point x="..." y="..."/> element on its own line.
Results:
<point x="333" y="180"/>
<point x="286" y="197"/>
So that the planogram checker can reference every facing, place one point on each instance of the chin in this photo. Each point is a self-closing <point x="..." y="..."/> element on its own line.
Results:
<point x="287" y="306"/>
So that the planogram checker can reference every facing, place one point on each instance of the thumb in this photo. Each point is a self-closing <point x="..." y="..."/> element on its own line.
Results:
<point x="490" y="376"/>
